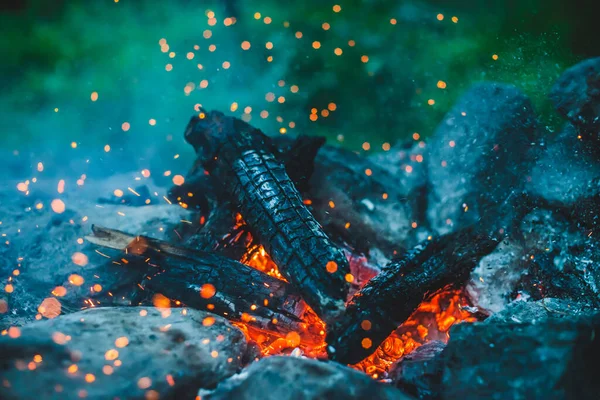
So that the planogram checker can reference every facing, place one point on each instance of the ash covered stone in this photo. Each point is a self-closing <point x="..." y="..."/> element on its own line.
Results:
<point x="492" y="283"/>
<point x="418" y="373"/>
<point x="533" y="311"/>
<point x="576" y="95"/>
<point x="567" y="177"/>
<point x="551" y="358"/>
<point x="478" y="158"/>
<point x="132" y="353"/>
<point x="48" y="248"/>
<point x="281" y="378"/>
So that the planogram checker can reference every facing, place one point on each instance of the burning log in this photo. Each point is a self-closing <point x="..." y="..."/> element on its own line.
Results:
<point x="206" y="281"/>
<point x="240" y="160"/>
<point x="389" y="298"/>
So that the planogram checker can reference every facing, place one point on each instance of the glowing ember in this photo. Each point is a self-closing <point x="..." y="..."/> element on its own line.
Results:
<point x="431" y="321"/>
<point x="50" y="307"/>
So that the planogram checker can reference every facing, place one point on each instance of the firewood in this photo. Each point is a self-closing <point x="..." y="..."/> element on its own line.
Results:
<point x="392" y="296"/>
<point x="207" y="281"/>
<point x="240" y="161"/>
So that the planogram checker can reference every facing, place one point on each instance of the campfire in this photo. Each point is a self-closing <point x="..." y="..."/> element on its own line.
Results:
<point x="465" y="267"/>
<point x="323" y="303"/>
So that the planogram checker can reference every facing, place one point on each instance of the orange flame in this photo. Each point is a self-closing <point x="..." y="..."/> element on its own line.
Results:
<point x="431" y="321"/>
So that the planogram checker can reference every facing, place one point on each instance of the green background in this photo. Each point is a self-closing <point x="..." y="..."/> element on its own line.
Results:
<point x="56" y="53"/>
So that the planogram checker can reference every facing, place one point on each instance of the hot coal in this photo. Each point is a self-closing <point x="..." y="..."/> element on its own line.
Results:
<point x="240" y="159"/>
<point x="119" y="353"/>
<point x="389" y="299"/>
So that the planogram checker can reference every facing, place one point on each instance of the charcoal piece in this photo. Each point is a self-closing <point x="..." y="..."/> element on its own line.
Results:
<point x="220" y="232"/>
<point x="549" y="359"/>
<point x="293" y="378"/>
<point x="233" y="290"/>
<point x="240" y="160"/>
<point x="299" y="157"/>
<point x="576" y="95"/>
<point x="572" y="185"/>
<point x="479" y="158"/>
<point x="419" y="373"/>
<point x="390" y="298"/>
<point x="152" y="345"/>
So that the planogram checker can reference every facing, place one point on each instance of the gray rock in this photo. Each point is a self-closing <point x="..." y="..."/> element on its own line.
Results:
<point x="534" y="311"/>
<point x="563" y="260"/>
<point x="295" y="378"/>
<point x="44" y="248"/>
<point x="549" y="359"/>
<point x="374" y="206"/>
<point x="419" y="372"/>
<point x="478" y="158"/>
<point x="567" y="177"/>
<point x="576" y="95"/>
<point x="162" y="356"/>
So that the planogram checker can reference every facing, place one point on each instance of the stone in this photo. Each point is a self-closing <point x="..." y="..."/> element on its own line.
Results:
<point x="567" y="177"/>
<point x="563" y="259"/>
<point x="119" y="352"/>
<point x="576" y="95"/>
<point x="45" y="255"/>
<point x="374" y="206"/>
<point x="492" y="284"/>
<point x="419" y="372"/>
<point x="533" y="311"/>
<point x="478" y="158"/>
<point x="553" y="358"/>
<point x="296" y="378"/>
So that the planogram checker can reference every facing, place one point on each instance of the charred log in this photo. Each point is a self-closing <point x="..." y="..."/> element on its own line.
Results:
<point x="389" y="298"/>
<point x="207" y="281"/>
<point x="239" y="158"/>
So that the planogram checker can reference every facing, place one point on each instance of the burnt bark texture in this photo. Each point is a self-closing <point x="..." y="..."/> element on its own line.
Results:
<point x="207" y="281"/>
<point x="240" y="159"/>
<point x="389" y="298"/>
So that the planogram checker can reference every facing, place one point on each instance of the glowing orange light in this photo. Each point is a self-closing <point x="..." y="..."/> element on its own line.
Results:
<point x="178" y="180"/>
<point x="58" y="206"/>
<point x="94" y="96"/>
<point x="331" y="267"/>
<point x="245" y="45"/>
<point x="207" y="291"/>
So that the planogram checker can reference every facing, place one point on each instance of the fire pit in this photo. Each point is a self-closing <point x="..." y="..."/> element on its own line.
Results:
<point x="293" y="247"/>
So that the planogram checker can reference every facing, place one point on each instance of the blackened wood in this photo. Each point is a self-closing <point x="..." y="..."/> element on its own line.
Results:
<point x="240" y="159"/>
<point x="392" y="296"/>
<point x="241" y="293"/>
